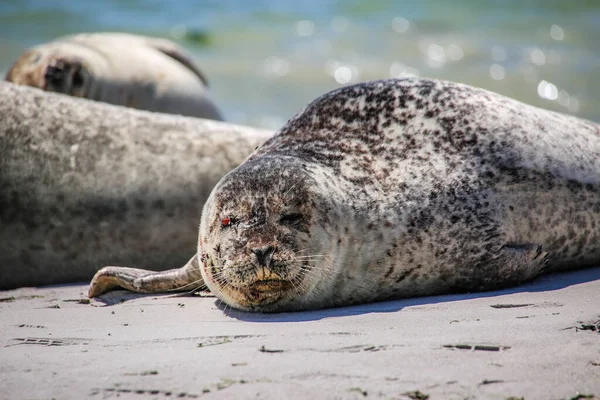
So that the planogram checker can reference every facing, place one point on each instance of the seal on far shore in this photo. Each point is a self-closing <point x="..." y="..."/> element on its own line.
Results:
<point x="142" y="72"/>
<point x="390" y="189"/>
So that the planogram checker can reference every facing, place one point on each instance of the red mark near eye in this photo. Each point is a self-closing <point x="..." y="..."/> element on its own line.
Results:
<point x="225" y="221"/>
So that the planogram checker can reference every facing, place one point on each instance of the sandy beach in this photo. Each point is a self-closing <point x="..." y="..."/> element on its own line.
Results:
<point x="537" y="341"/>
<point x="265" y="61"/>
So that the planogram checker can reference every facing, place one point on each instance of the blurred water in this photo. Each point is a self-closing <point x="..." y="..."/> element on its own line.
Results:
<point x="266" y="59"/>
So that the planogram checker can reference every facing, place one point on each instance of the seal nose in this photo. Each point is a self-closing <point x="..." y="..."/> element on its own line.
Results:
<point x="263" y="255"/>
<point x="54" y="73"/>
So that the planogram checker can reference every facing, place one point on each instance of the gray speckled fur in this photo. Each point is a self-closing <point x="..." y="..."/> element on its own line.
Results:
<point x="416" y="187"/>
<point x="85" y="184"/>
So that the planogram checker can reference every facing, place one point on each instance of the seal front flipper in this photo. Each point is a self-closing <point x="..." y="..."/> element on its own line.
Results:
<point x="137" y="280"/>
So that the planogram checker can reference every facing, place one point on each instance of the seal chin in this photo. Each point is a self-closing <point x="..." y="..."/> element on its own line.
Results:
<point x="266" y="289"/>
<point x="251" y="286"/>
<point x="261" y="295"/>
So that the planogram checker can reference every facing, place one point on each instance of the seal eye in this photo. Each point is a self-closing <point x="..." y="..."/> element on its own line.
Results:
<point x="227" y="222"/>
<point x="35" y="58"/>
<point x="290" y="219"/>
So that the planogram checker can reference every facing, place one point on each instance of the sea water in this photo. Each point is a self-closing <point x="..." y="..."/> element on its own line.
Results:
<point x="266" y="59"/>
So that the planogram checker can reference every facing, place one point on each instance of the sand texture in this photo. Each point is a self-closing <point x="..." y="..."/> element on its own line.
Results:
<point x="537" y="341"/>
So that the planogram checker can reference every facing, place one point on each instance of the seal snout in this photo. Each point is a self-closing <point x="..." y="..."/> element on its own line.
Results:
<point x="54" y="74"/>
<point x="262" y="256"/>
<point x="265" y="283"/>
<point x="63" y="76"/>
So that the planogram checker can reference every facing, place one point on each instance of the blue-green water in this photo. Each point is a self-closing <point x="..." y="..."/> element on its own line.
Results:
<point x="266" y="59"/>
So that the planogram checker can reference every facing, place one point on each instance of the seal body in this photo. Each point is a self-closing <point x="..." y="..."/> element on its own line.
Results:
<point x="392" y="189"/>
<point x="402" y="188"/>
<point x="134" y="71"/>
<point x="83" y="184"/>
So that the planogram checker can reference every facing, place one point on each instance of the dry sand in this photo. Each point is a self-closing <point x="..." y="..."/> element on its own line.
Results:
<point x="537" y="341"/>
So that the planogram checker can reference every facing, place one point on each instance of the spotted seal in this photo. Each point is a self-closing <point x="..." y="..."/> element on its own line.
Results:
<point x="395" y="188"/>
<point x="130" y="70"/>
<point x="84" y="183"/>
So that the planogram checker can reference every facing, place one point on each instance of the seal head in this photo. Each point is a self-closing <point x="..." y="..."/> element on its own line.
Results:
<point x="147" y="73"/>
<point x="260" y="242"/>
<point x="54" y="68"/>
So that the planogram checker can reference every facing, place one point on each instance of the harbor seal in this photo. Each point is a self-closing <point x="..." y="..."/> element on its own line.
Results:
<point x="391" y="189"/>
<point x="130" y="70"/>
<point x="84" y="183"/>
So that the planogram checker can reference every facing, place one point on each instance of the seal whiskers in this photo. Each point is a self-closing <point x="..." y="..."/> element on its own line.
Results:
<point x="197" y="285"/>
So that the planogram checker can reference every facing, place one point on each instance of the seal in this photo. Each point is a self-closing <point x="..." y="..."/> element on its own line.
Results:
<point x="142" y="72"/>
<point x="84" y="184"/>
<point x="396" y="188"/>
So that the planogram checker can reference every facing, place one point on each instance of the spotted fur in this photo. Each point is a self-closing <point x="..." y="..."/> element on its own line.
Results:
<point x="405" y="187"/>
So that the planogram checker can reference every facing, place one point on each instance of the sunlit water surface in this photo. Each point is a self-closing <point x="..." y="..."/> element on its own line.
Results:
<point x="267" y="59"/>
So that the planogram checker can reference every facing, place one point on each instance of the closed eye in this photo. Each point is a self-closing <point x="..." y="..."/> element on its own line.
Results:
<point x="35" y="58"/>
<point x="249" y="223"/>
<point x="290" y="219"/>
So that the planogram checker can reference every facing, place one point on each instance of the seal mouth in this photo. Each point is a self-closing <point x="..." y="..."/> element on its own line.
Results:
<point x="268" y="288"/>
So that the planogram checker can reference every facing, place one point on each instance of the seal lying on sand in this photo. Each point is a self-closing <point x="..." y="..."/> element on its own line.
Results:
<point x="135" y="71"/>
<point x="83" y="184"/>
<point x="391" y="189"/>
